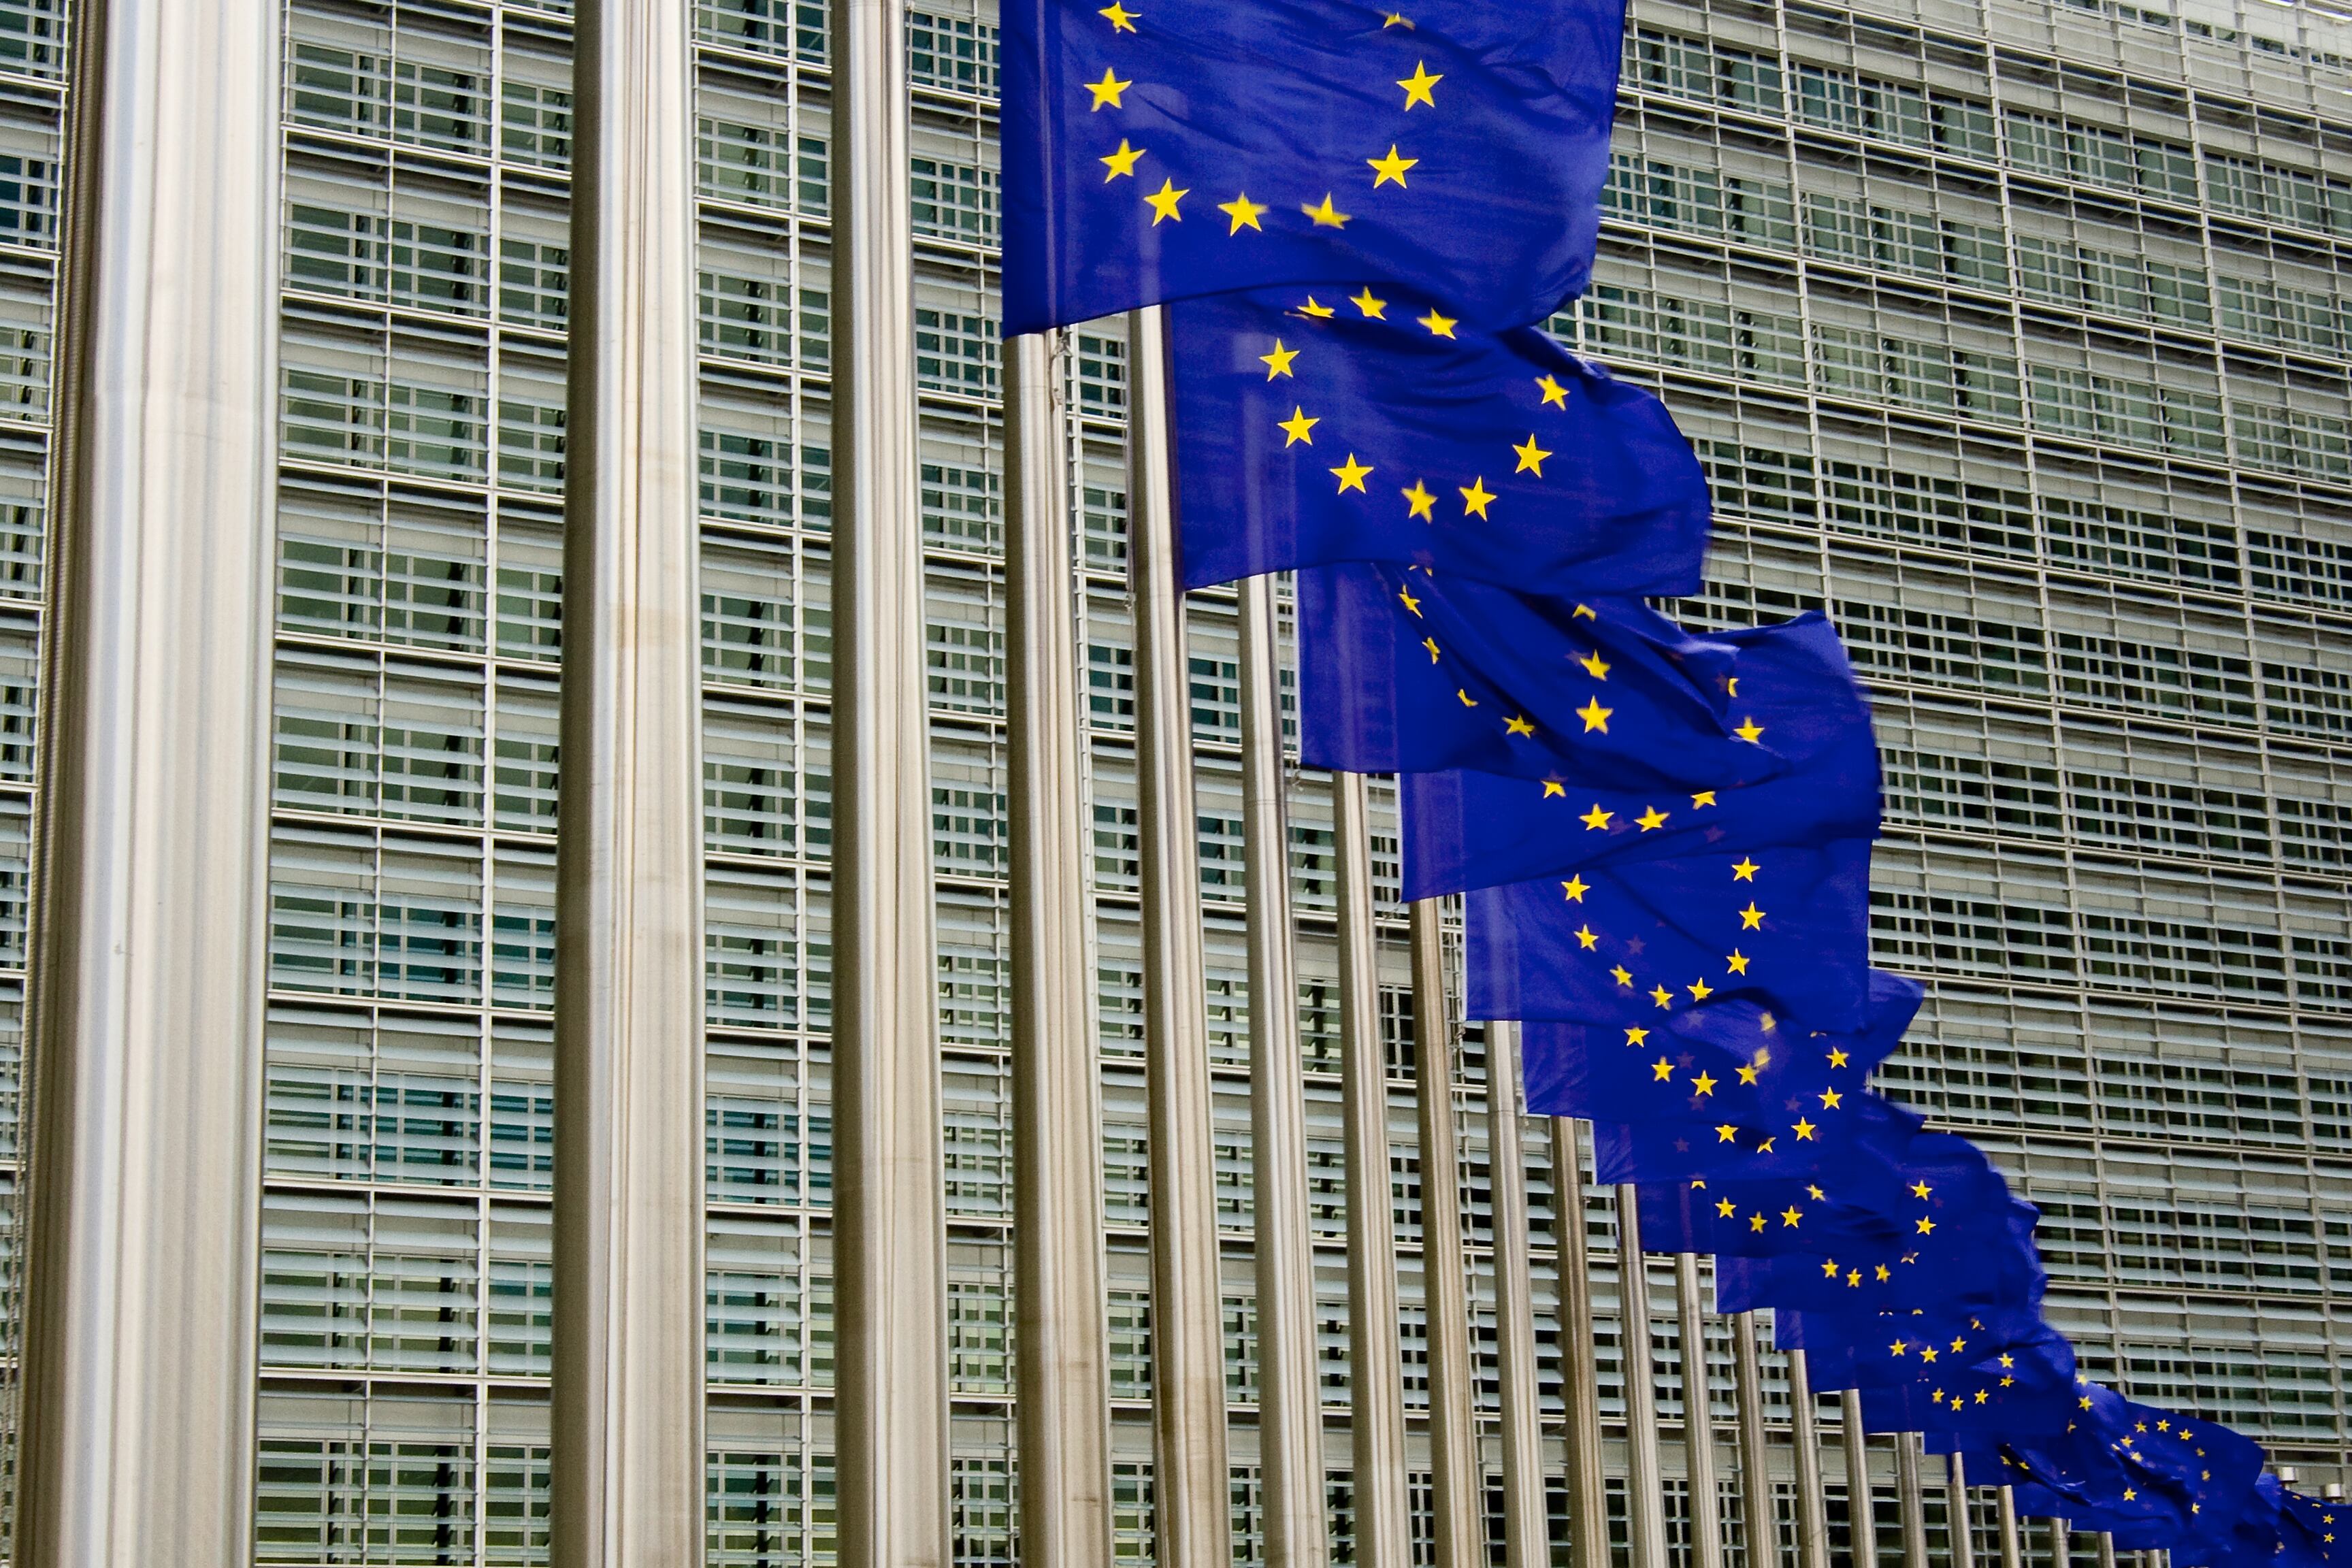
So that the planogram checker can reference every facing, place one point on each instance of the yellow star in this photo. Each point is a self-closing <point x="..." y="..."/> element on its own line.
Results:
<point x="1325" y="215"/>
<point x="1122" y="162"/>
<point x="1704" y="1084"/>
<point x="1926" y="1227"/>
<point x="1897" y="1348"/>
<point x="1418" y="502"/>
<point x="1396" y="19"/>
<point x="1390" y="169"/>
<point x="1576" y="888"/>
<point x="2131" y="1494"/>
<point x="1749" y="732"/>
<point x="1431" y="643"/>
<point x="1620" y="976"/>
<point x="1804" y="1131"/>
<point x="1958" y="1345"/>
<point x="1883" y="1276"/>
<point x="1553" y="392"/>
<point x="1122" y="20"/>
<point x="1651" y="818"/>
<point x="1244" y="213"/>
<point x="1830" y="1269"/>
<point x="1595" y="666"/>
<point x="1737" y="962"/>
<point x="1831" y="1098"/>
<point x="1554" y="788"/>
<point x="1928" y="1352"/>
<point x="1789" y="1217"/>
<point x="1476" y="497"/>
<point x="1416" y="86"/>
<point x="1662" y="1071"/>
<point x="2007" y="1380"/>
<point x="1587" y="937"/>
<point x="1297" y="425"/>
<point x="1747" y="1077"/>
<point x="2085" y="1402"/>
<point x="1351" y="475"/>
<point x="1703" y="797"/>
<point x="1837" y="1058"/>
<point x="1920" y="1189"/>
<point x="1854" y="1278"/>
<point x="1317" y="308"/>
<point x="1376" y="309"/>
<point x="1519" y="726"/>
<point x="1464" y="693"/>
<point x="1279" y="363"/>
<point x="1163" y="202"/>
<point x="1745" y="871"/>
<point x="1531" y="458"/>
<point x="1596" y="819"/>
<point x="1635" y="1034"/>
<point x="1586" y="612"/>
<point x="1725" y="1206"/>
<point x="1439" y="326"/>
<point x="1595" y="716"/>
<point x="1700" y="990"/>
<point x="1663" y="997"/>
<point x="1751" y="918"/>
<point x="1404" y="597"/>
<point x="1726" y="1134"/>
<point x="1815" y="1192"/>
<point x="1756" y="1222"/>
<point x="1107" y="90"/>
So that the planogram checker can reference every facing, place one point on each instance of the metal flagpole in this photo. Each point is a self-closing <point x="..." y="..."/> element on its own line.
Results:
<point x="1956" y="1508"/>
<point x="1698" y="1419"/>
<point x="2061" y="1547"/>
<point x="1383" y="1515"/>
<point x="142" y="1181"/>
<point x="1192" y="1483"/>
<point x="889" y="1237"/>
<point x="1290" y="1415"/>
<point x="1812" y="1498"/>
<point x="1861" y="1509"/>
<point x="1911" y="1499"/>
<point x="627" y="1453"/>
<point x="1456" y="1483"/>
<point x="1762" y="1521"/>
<point x="1645" y="1501"/>
<point x="2107" y="1549"/>
<point x="1524" y="1537"/>
<point x="2012" y="1549"/>
<point x="1063" y="1414"/>
<point x="1588" y="1493"/>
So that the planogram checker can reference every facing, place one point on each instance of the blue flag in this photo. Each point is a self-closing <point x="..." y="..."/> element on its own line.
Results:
<point x="1172" y="148"/>
<point x="1638" y="943"/>
<point x="1322" y="428"/>
<point x="1955" y="1372"/>
<point x="1401" y="672"/>
<point x="1464" y="829"/>
<point x="2308" y="1530"/>
<point x="1971" y="1266"/>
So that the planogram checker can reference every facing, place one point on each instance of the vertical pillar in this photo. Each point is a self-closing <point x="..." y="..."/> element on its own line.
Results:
<point x="1861" y="1509"/>
<point x="1645" y="1498"/>
<point x="628" y="1376"/>
<point x="1191" y="1503"/>
<point x="142" y="1139"/>
<point x="1290" y="1413"/>
<point x="1756" y="1502"/>
<point x="1698" y="1419"/>
<point x="1525" y="1538"/>
<point x="1911" y="1499"/>
<point x="1813" y="1502"/>
<point x="2061" y="1547"/>
<point x="2012" y="1549"/>
<point x="1064" y="1414"/>
<point x="2106" y="1547"/>
<point x="1375" y="1357"/>
<point x="1588" y="1495"/>
<point x="1455" y="1481"/>
<point x="1956" y="1508"/>
<point x="889" y="1237"/>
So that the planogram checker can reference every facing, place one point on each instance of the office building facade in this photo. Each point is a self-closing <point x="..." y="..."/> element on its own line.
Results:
<point x="2010" y="335"/>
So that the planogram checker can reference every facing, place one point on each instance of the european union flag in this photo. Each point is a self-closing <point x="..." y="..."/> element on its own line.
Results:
<point x="1718" y="1061"/>
<point x="1955" y="1372"/>
<point x="1464" y="829"/>
<point x="2153" y="1478"/>
<point x="1787" y="925"/>
<point x="1863" y="1133"/>
<point x="1168" y="148"/>
<point x="1403" y="672"/>
<point x="1971" y="1266"/>
<point x="2308" y="1529"/>
<point x="1322" y="426"/>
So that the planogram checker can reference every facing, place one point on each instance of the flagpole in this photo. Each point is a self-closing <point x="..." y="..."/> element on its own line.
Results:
<point x="1956" y="1493"/>
<point x="1861" y="1509"/>
<point x="889" y="1231"/>
<point x="1761" y="1519"/>
<point x="1911" y="1499"/>
<point x="1645" y="1502"/>
<point x="1524" y="1536"/>
<point x="1192" y="1483"/>
<point x="1456" y="1483"/>
<point x="1588" y="1495"/>
<point x="1813" y="1500"/>
<point x="2062" y="1549"/>
<point x="1698" y="1420"/>
<point x="2012" y="1550"/>
<point x="2107" y="1548"/>
<point x="1383" y="1515"/>
<point x="1290" y="1416"/>
<point x="1063" y="1414"/>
